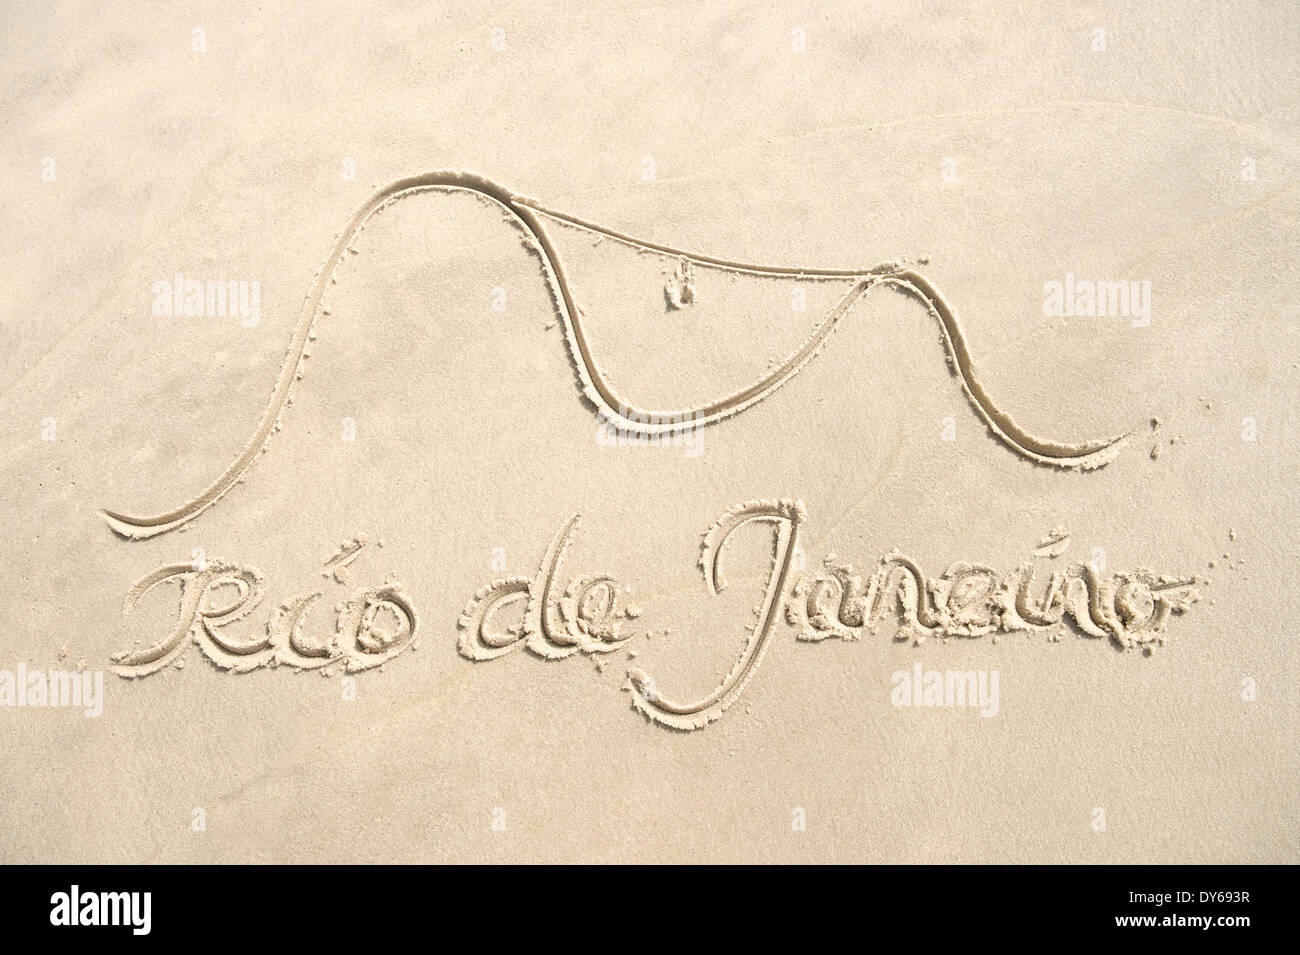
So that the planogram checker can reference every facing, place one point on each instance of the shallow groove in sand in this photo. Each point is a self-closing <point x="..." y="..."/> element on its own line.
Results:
<point x="529" y="213"/>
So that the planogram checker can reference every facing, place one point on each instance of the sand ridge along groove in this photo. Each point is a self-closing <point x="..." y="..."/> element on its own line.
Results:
<point x="529" y="213"/>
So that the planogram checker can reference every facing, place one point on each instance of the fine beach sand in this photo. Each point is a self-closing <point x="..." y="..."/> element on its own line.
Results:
<point x="624" y="406"/>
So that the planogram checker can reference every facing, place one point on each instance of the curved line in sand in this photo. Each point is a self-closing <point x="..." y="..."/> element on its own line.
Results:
<point x="528" y="213"/>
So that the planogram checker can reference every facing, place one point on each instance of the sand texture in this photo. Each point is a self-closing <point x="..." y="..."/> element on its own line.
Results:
<point x="693" y="433"/>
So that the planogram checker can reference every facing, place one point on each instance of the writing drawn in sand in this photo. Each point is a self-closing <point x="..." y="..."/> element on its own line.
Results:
<point x="372" y="626"/>
<point x="967" y="600"/>
<point x="377" y="624"/>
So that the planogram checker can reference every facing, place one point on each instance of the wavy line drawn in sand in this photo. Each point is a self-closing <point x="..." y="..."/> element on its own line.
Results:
<point x="968" y="600"/>
<point x="529" y="215"/>
<point x="372" y="626"/>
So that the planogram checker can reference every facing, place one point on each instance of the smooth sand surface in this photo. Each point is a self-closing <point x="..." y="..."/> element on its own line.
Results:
<point x="627" y="410"/>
